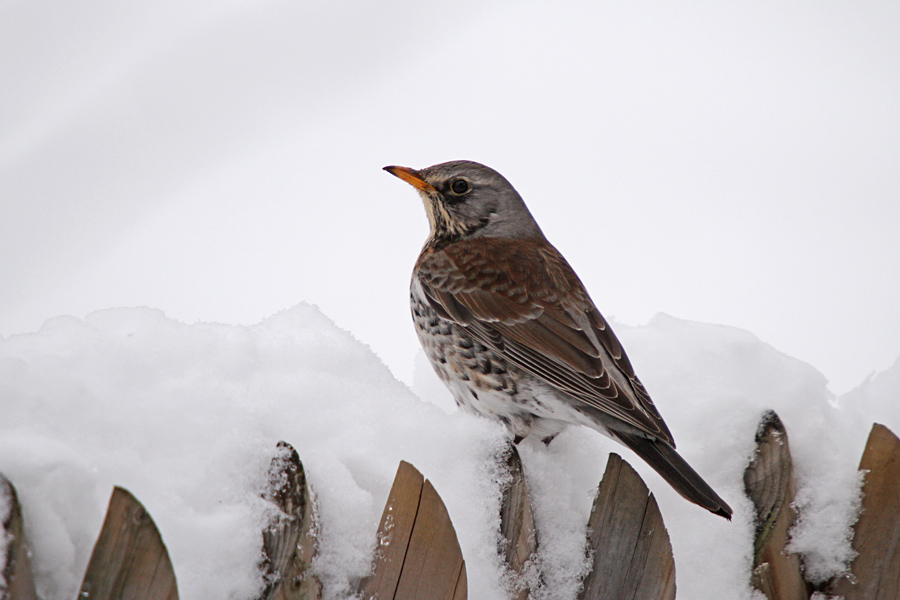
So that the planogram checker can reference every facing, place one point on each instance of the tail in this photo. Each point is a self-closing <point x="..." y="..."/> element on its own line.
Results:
<point x="674" y="469"/>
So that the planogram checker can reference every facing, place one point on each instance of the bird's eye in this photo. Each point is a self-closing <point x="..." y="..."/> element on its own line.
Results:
<point x="459" y="186"/>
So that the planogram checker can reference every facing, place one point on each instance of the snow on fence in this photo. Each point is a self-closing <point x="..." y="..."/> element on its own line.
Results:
<point x="418" y="556"/>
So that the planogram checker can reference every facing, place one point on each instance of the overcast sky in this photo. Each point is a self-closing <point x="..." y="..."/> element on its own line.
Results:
<point x="735" y="164"/>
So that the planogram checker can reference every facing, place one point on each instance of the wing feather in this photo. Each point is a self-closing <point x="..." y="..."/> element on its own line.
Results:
<point x="540" y="319"/>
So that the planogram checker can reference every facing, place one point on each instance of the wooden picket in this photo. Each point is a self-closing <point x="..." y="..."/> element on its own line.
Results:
<point x="769" y="483"/>
<point x="518" y="534"/>
<point x="418" y="555"/>
<point x="632" y="555"/>
<point x="876" y="538"/>
<point x="129" y="561"/>
<point x="290" y="542"/>
<point x="17" y="573"/>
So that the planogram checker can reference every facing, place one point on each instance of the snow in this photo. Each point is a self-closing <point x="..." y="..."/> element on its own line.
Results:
<point x="186" y="416"/>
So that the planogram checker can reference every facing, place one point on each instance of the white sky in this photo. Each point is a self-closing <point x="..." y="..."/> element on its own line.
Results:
<point x="222" y="161"/>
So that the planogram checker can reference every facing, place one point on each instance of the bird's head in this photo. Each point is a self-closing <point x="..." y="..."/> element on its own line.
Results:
<point x="465" y="199"/>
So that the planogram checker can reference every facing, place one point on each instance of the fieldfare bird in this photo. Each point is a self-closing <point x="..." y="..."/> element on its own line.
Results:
<point x="511" y="330"/>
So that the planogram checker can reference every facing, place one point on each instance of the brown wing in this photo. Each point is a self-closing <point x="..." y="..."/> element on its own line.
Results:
<point x="524" y="301"/>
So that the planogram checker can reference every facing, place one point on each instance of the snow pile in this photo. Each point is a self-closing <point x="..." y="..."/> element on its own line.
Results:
<point x="187" y="417"/>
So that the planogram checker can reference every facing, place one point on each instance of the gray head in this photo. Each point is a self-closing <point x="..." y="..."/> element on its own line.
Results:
<point x="465" y="199"/>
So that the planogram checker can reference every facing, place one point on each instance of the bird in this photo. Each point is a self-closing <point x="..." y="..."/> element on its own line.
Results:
<point x="512" y="332"/>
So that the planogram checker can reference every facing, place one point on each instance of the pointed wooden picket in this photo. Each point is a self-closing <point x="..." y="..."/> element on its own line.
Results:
<point x="394" y="532"/>
<point x="876" y="539"/>
<point x="17" y="573"/>
<point x="769" y="483"/>
<point x="129" y="561"/>
<point x="632" y="555"/>
<point x="290" y="542"/>
<point x="417" y="555"/>
<point x="517" y="530"/>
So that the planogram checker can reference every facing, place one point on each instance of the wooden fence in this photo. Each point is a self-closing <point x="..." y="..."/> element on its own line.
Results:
<point x="418" y="556"/>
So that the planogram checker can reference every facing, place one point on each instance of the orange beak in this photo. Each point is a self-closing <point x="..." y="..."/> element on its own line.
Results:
<point x="412" y="177"/>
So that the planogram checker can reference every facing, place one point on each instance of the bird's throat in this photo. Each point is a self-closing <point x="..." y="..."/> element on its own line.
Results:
<point x="443" y="225"/>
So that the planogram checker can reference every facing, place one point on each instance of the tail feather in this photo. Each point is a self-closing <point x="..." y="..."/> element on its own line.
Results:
<point x="674" y="469"/>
